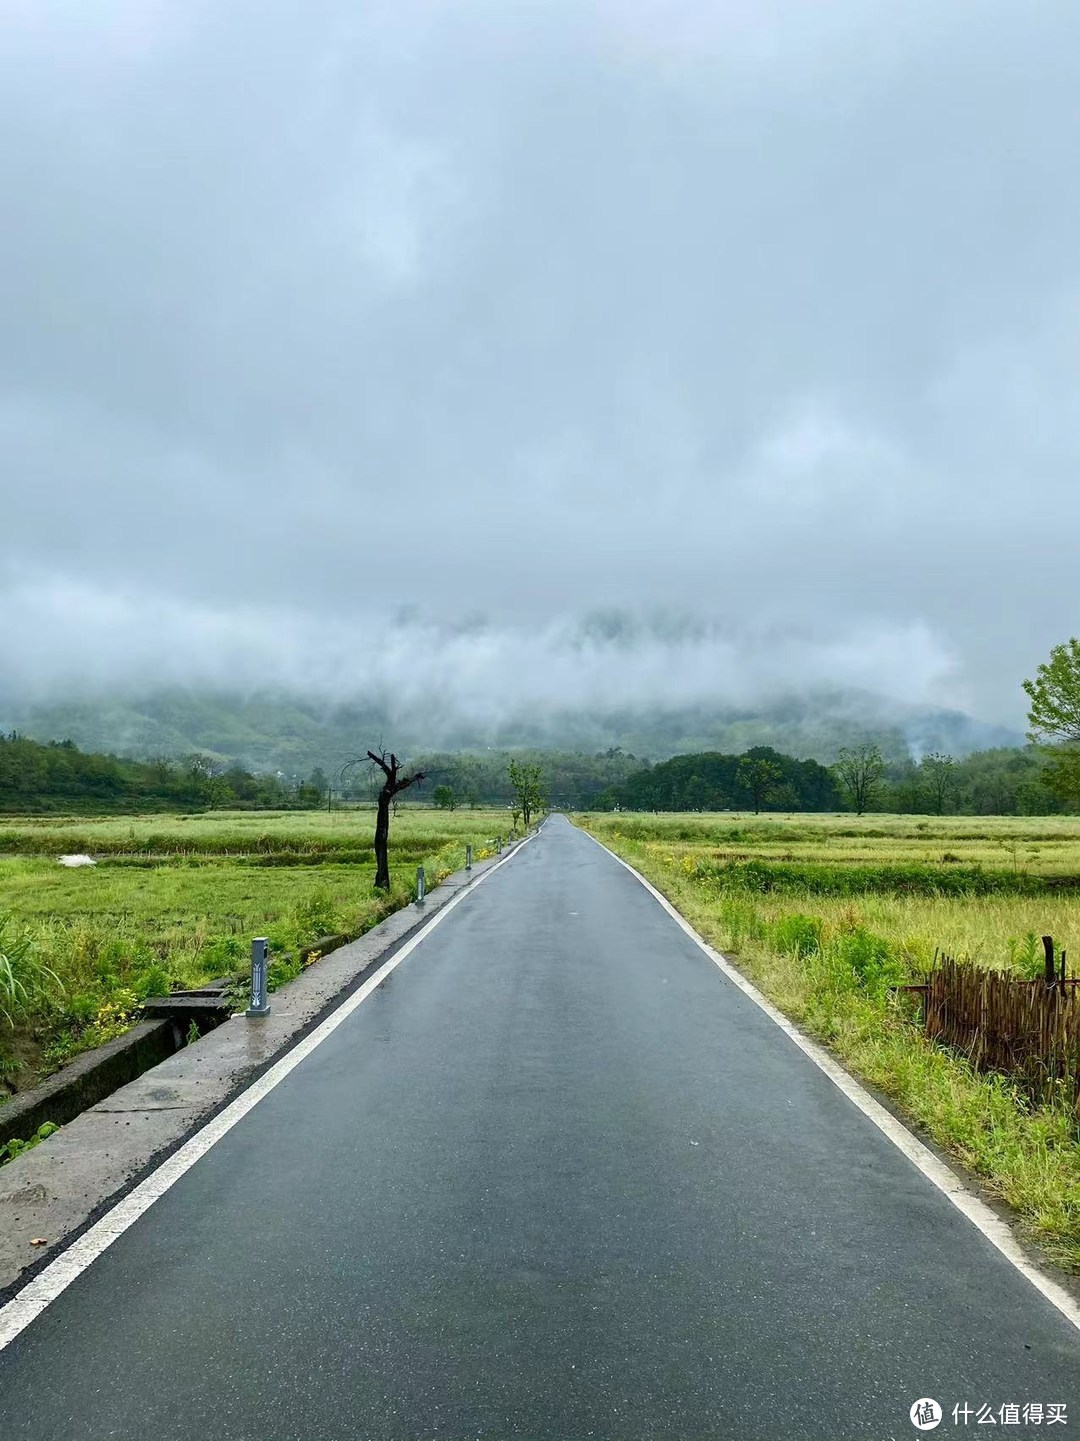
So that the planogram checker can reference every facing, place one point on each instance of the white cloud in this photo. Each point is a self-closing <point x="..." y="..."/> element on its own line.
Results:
<point x="66" y="637"/>
<point x="760" y="312"/>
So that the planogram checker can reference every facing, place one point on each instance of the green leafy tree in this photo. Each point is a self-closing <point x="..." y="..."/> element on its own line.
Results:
<point x="905" y="792"/>
<point x="471" y="781"/>
<point x="939" y="780"/>
<point x="1054" y="713"/>
<point x="674" y="784"/>
<point x="760" y="777"/>
<point x="219" y="793"/>
<point x="696" y="795"/>
<point x="1054" y="716"/>
<point x="527" y="782"/>
<point x="444" y="798"/>
<point x="859" y="771"/>
<point x="200" y="772"/>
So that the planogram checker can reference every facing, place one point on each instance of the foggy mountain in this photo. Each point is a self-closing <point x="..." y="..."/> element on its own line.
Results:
<point x="293" y="734"/>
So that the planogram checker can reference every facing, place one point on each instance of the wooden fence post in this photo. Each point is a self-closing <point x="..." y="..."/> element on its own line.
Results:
<point x="1048" y="949"/>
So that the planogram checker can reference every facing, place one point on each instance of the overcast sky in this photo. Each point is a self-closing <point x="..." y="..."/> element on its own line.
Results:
<point x="584" y="350"/>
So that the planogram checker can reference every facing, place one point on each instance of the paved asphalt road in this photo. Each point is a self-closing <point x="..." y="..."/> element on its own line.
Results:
<point x="556" y="1178"/>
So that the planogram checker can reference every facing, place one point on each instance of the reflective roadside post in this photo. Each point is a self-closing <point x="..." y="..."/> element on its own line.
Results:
<point x="419" y="884"/>
<point x="468" y="857"/>
<point x="260" y="1001"/>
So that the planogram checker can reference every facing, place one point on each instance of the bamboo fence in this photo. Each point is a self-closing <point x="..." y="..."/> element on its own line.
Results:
<point x="1029" y="1030"/>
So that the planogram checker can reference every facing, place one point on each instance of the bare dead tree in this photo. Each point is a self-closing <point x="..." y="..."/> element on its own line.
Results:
<point x="393" y="785"/>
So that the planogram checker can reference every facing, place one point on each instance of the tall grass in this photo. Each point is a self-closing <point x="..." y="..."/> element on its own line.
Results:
<point x="26" y="982"/>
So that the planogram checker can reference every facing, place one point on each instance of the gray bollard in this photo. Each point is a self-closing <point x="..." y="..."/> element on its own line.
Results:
<point x="419" y="884"/>
<point x="260" y="1001"/>
<point x="468" y="858"/>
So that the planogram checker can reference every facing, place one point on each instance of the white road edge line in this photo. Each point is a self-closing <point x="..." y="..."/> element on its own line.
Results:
<point x="996" y="1231"/>
<point x="27" y="1304"/>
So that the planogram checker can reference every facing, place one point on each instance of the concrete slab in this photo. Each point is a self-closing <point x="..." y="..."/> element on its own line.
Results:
<point x="60" y="1187"/>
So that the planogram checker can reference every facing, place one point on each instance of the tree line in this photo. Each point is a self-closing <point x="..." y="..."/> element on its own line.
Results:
<point x="995" y="782"/>
<point x="760" y="779"/>
<point x="57" y="776"/>
<point x="571" y="780"/>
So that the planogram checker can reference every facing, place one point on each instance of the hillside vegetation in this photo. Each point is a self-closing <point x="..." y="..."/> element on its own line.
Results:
<point x="294" y="733"/>
<point x="57" y="776"/>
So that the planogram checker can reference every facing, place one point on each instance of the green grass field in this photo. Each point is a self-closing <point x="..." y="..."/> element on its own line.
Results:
<point x="174" y="901"/>
<point x="825" y="913"/>
<point x="1038" y="845"/>
<point x="964" y="885"/>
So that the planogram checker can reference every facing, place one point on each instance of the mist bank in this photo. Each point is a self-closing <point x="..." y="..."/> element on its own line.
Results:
<point x="294" y="734"/>
<point x="65" y="640"/>
<point x="277" y="687"/>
